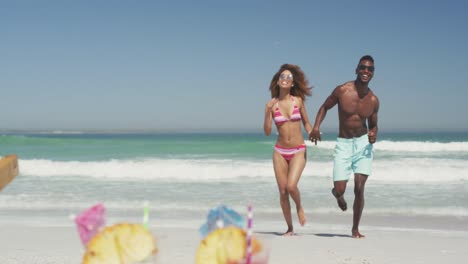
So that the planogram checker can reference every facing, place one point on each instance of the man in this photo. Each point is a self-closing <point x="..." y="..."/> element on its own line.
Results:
<point x="357" y="111"/>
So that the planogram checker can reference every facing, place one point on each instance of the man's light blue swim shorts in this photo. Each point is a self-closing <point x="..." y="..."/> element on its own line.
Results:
<point x="352" y="155"/>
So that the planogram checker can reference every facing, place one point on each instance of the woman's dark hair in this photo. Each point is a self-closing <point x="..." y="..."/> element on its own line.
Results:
<point x="301" y="84"/>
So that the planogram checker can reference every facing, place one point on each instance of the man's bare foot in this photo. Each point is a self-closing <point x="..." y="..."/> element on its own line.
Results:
<point x="341" y="201"/>
<point x="289" y="232"/>
<point x="301" y="216"/>
<point x="356" y="234"/>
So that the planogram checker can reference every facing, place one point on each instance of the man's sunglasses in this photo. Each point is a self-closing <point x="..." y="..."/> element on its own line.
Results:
<point x="369" y="68"/>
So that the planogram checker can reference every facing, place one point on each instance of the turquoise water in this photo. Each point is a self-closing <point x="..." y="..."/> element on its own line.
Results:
<point x="179" y="174"/>
<point x="106" y="146"/>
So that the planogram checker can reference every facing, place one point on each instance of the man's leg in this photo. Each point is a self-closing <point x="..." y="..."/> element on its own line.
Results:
<point x="359" y="183"/>
<point x="341" y="170"/>
<point x="338" y="191"/>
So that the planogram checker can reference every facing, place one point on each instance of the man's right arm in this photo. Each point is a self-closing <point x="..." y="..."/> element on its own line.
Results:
<point x="330" y="102"/>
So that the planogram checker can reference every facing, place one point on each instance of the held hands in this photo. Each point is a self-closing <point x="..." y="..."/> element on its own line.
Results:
<point x="314" y="135"/>
<point x="372" y="137"/>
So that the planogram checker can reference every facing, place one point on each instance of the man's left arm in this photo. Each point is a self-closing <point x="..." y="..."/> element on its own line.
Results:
<point x="372" y="121"/>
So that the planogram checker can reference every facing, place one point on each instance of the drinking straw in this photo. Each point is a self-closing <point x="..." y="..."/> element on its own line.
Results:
<point x="145" y="214"/>
<point x="249" y="234"/>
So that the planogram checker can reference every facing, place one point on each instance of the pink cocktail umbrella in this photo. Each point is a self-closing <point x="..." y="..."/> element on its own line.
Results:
<point x="90" y="221"/>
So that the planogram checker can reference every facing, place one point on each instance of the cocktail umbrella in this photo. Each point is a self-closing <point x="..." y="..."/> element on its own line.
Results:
<point x="221" y="216"/>
<point x="90" y="221"/>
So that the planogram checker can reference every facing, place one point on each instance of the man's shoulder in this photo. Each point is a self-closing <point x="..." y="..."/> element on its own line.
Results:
<point x="344" y="87"/>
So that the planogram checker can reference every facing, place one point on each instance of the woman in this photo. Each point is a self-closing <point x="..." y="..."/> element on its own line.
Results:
<point x="289" y="89"/>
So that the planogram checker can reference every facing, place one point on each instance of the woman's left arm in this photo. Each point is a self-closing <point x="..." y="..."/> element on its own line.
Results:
<point x="305" y="117"/>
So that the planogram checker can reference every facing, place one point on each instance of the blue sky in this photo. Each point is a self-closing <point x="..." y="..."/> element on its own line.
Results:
<point x="206" y="65"/>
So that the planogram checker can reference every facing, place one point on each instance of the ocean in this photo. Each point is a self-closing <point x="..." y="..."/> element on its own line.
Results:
<point x="182" y="176"/>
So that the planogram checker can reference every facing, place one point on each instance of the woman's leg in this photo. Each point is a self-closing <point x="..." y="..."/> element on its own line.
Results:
<point x="296" y="167"/>
<point x="280" y="166"/>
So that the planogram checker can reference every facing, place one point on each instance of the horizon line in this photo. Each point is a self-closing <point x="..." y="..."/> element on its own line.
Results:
<point x="194" y="131"/>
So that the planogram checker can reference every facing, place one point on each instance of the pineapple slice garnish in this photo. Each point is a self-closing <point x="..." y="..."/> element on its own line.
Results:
<point x="120" y="243"/>
<point x="225" y="245"/>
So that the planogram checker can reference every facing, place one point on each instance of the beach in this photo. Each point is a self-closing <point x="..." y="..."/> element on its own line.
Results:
<point x="325" y="239"/>
<point x="415" y="209"/>
<point x="161" y="111"/>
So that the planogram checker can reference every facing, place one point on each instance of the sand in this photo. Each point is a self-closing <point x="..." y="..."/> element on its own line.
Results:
<point x="326" y="239"/>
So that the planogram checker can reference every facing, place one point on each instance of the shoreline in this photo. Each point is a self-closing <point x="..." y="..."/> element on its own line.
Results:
<point x="193" y="219"/>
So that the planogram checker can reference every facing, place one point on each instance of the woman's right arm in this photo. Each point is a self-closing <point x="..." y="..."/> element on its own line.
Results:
<point x="268" y="117"/>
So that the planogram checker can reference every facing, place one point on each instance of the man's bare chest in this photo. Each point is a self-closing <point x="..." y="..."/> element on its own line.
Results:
<point x="356" y="106"/>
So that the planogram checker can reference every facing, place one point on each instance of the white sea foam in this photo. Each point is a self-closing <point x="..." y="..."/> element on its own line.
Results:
<point x="420" y="170"/>
<point x="134" y="207"/>
<point x="400" y="170"/>
<point x="62" y="132"/>
<point x="405" y="146"/>
<point x="151" y="169"/>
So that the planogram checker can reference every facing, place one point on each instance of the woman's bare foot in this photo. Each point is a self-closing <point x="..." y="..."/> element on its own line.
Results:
<point x="341" y="201"/>
<point x="301" y="216"/>
<point x="356" y="234"/>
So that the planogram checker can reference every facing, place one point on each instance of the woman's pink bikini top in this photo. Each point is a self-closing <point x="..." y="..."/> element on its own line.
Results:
<point x="280" y="118"/>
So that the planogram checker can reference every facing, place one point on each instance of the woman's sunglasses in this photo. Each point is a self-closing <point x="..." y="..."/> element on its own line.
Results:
<point x="288" y="77"/>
